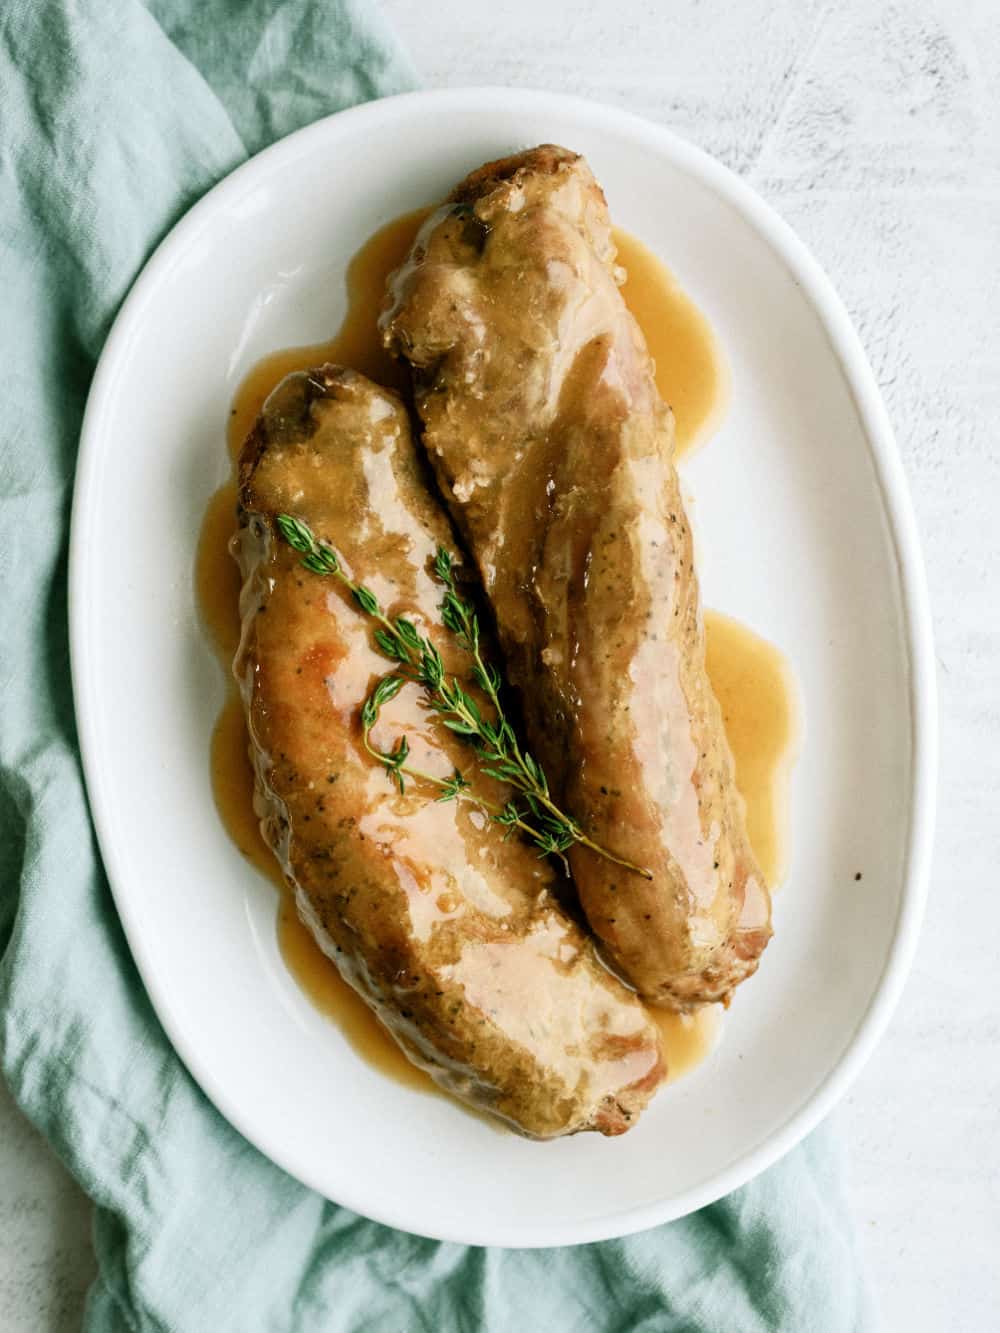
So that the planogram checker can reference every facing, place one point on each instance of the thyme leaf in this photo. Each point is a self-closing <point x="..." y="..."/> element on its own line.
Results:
<point x="500" y="754"/>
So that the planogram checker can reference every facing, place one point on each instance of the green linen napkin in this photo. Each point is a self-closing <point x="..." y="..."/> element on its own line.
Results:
<point x="114" y="118"/>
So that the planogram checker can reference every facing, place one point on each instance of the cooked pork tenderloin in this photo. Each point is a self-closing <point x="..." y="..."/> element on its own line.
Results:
<point x="553" y="450"/>
<point x="449" y="932"/>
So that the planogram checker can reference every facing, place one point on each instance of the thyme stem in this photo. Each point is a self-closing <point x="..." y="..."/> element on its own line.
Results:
<point x="419" y="662"/>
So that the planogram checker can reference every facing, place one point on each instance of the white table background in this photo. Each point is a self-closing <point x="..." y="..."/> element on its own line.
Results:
<point x="874" y="128"/>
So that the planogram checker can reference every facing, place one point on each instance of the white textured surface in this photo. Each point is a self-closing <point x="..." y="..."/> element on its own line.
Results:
<point x="46" y="1258"/>
<point x="875" y="129"/>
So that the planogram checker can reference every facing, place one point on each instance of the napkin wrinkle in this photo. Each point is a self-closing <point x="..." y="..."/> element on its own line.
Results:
<point x="103" y="237"/>
<point x="113" y="1302"/>
<point x="606" y="1297"/>
<point x="749" y="1248"/>
<point x="278" y="65"/>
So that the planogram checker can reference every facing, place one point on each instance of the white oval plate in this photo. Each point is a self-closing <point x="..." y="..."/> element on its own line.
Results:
<point x="805" y="532"/>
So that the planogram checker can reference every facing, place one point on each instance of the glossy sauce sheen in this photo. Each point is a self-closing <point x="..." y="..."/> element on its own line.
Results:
<point x="357" y="344"/>
<point x="452" y="934"/>
<point x="749" y="675"/>
<point x="218" y="585"/>
<point x="691" y="374"/>
<point x="553" y="452"/>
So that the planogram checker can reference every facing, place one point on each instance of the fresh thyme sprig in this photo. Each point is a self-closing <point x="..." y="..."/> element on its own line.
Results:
<point x="498" y="744"/>
<point x="495" y="741"/>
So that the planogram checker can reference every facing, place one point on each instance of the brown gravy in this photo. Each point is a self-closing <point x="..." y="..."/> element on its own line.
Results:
<point x="356" y="344"/>
<point x="756" y="692"/>
<point x="691" y="373"/>
<point x="749" y="675"/>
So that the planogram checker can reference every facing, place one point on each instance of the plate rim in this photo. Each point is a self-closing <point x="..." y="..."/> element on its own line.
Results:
<point x="916" y="626"/>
